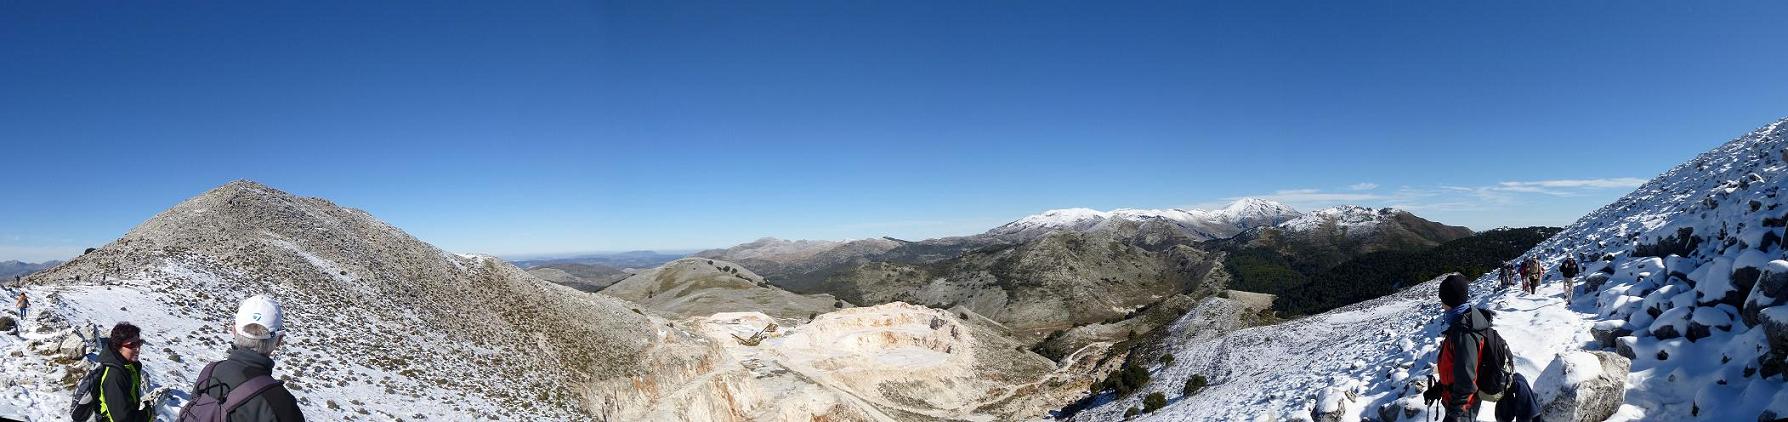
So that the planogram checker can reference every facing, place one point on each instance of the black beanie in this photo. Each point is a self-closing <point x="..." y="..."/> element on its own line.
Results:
<point x="1453" y="290"/>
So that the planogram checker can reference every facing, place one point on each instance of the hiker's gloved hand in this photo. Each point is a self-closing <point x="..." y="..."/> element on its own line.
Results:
<point x="1431" y="395"/>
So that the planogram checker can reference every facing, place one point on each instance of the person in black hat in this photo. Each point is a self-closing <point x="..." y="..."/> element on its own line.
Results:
<point x="1466" y="333"/>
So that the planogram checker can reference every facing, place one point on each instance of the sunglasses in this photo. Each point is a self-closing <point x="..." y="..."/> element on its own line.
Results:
<point x="133" y="344"/>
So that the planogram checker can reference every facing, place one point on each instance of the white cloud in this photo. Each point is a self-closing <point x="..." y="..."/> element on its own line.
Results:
<point x="1504" y="197"/>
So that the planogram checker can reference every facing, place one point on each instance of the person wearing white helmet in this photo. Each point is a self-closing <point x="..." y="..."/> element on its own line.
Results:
<point x="257" y="333"/>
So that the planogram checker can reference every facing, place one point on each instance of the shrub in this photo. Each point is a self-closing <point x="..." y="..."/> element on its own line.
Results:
<point x="1166" y="360"/>
<point x="1193" y="384"/>
<point x="1155" y="401"/>
<point x="1132" y="412"/>
<point x="1124" y="381"/>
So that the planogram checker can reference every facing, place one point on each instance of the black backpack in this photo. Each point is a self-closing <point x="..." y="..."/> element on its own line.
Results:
<point x="1519" y="404"/>
<point x="208" y="407"/>
<point x="1496" y="367"/>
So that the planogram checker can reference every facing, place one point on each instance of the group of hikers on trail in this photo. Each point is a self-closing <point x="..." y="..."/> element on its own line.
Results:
<point x="1475" y="365"/>
<point x="1530" y="272"/>
<point x="239" y="388"/>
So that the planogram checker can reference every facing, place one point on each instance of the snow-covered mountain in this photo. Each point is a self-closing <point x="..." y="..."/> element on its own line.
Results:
<point x="1197" y="224"/>
<point x="1687" y="289"/>
<point x="383" y="326"/>
<point x="378" y="320"/>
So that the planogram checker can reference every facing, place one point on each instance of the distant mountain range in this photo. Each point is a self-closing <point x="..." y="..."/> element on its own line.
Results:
<point x="10" y="269"/>
<point x="630" y="259"/>
<point x="1068" y="268"/>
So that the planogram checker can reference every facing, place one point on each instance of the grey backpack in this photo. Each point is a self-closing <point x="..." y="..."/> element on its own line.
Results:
<point x="208" y="407"/>
<point x="86" y="401"/>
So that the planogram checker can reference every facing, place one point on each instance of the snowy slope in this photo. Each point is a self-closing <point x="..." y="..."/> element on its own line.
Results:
<point x="1724" y="211"/>
<point x="1352" y="217"/>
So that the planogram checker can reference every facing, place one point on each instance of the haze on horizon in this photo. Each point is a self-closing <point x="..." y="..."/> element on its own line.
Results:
<point x="564" y="127"/>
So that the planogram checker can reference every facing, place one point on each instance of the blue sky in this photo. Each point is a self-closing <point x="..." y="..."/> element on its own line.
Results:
<point x="489" y="127"/>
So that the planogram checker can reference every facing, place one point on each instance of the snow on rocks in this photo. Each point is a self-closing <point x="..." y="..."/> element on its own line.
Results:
<point x="1713" y="282"/>
<point x="1704" y="320"/>
<point x="1769" y="290"/>
<point x="1606" y="331"/>
<point x="1331" y="404"/>
<point x="1582" y="386"/>
<point x="1671" y="324"/>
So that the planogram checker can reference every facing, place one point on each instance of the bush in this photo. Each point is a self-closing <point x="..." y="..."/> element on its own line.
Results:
<point x="1124" y="381"/>
<point x="1166" y="360"/>
<point x="1193" y="384"/>
<point x="1132" y="412"/>
<point x="1155" y="401"/>
<point x="838" y="304"/>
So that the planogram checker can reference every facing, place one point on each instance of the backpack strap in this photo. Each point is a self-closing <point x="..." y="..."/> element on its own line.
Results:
<point x="198" y="387"/>
<point x="249" y="389"/>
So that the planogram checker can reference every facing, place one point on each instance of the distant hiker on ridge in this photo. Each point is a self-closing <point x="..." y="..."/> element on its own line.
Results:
<point x="1532" y="271"/>
<point x="242" y="387"/>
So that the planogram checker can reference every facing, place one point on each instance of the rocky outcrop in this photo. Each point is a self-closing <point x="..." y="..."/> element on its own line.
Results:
<point x="1771" y="289"/>
<point x="1331" y="404"/>
<point x="1583" y="386"/>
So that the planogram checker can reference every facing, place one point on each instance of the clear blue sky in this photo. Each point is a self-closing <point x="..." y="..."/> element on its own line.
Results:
<point x="497" y="128"/>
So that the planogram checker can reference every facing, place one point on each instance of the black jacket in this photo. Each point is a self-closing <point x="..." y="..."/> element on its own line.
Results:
<point x="1463" y="343"/>
<point x="274" y="405"/>
<point x="120" y="389"/>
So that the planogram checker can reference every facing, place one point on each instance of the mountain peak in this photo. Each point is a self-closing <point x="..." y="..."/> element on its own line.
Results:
<point x="1257" y="207"/>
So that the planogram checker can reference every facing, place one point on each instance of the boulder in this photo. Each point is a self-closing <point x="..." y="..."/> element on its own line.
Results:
<point x="1624" y="346"/>
<point x="1774" y="323"/>
<point x="1606" y="332"/>
<point x="1771" y="289"/>
<point x="1594" y="281"/>
<point x="1331" y="403"/>
<point x="1403" y="408"/>
<point x="1582" y="386"/>
<point x="7" y="323"/>
<point x="1704" y="320"/>
<point x="1672" y="323"/>
<point x="71" y="347"/>
<point x="1713" y="284"/>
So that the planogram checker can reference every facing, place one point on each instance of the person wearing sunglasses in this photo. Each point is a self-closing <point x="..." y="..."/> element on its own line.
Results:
<point x="120" y="392"/>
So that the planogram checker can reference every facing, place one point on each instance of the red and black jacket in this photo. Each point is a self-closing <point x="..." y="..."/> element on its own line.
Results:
<point x="1459" y="363"/>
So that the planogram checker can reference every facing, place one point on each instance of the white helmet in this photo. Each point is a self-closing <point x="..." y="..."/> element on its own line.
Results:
<point x="263" y="310"/>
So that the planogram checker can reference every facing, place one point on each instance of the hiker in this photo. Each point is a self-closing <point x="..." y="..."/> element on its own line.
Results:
<point x="1506" y="274"/>
<point x="22" y="304"/>
<point x="244" y="382"/>
<point x="1521" y="275"/>
<point x="1535" y="272"/>
<point x="1569" y="270"/>
<point x="121" y="382"/>
<point x="1465" y="334"/>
